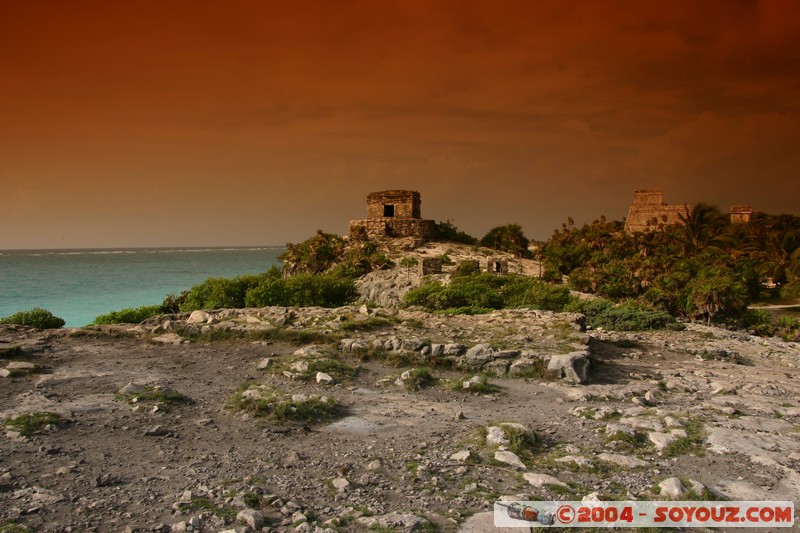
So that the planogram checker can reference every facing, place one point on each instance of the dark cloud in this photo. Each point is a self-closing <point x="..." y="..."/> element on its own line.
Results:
<point x="258" y="122"/>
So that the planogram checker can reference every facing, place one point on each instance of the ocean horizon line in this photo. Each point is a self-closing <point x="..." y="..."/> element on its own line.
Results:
<point x="133" y="250"/>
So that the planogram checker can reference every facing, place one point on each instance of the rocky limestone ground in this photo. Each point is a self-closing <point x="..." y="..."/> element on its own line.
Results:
<point x="145" y="432"/>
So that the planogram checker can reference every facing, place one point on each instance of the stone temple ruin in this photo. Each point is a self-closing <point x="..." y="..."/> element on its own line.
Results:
<point x="649" y="212"/>
<point x="741" y="214"/>
<point x="393" y="215"/>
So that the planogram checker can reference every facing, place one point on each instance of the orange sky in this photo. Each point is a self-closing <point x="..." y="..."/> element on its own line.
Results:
<point x="191" y="123"/>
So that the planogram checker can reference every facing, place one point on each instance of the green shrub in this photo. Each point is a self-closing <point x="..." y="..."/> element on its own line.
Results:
<point x="36" y="317"/>
<point x="172" y="302"/>
<point x="129" y="315"/>
<point x="788" y="328"/>
<point x="542" y="295"/>
<point x="219" y="293"/>
<point x="321" y="290"/>
<point x="551" y="275"/>
<point x="269" y="292"/>
<point x="758" y="322"/>
<point x="508" y="238"/>
<point x="447" y="232"/>
<point x="328" y="252"/>
<point x="628" y="318"/>
<point x="470" y="267"/>
<point x="589" y="308"/>
<point x="303" y="290"/>
<point x="480" y="292"/>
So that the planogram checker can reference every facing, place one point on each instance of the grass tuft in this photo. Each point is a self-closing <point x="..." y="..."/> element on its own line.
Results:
<point x="482" y="387"/>
<point x="417" y="378"/>
<point x="692" y="443"/>
<point x="279" y="406"/>
<point x="206" y="504"/>
<point x="32" y="422"/>
<point x="154" y="394"/>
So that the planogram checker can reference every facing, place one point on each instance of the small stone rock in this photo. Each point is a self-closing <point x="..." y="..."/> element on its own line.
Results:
<point x="592" y="497"/>
<point x="622" y="460"/>
<point x="341" y="484"/>
<point x="540" y="480"/>
<point x="577" y="460"/>
<point x="672" y="488"/>
<point x="394" y="522"/>
<point x="251" y="517"/>
<point x="509" y="458"/>
<point x="661" y="440"/>
<point x="613" y="429"/>
<point x="299" y="366"/>
<point x="21" y="365"/>
<point x="169" y="338"/>
<point x="198" y="317"/>
<point x="264" y="363"/>
<point x="495" y="436"/>
<point x="131" y="389"/>
<point x="572" y="367"/>
<point x="324" y="378"/>
<point x="461" y="456"/>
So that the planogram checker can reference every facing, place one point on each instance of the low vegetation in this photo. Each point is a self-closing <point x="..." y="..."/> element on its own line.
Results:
<point x="330" y="253"/>
<point x="200" y="504"/>
<point x="417" y="378"/>
<point x="480" y="292"/>
<point x="306" y="368"/>
<point x="277" y="405"/>
<point x="447" y="232"/>
<point x="29" y="423"/>
<point x="692" y="443"/>
<point x="129" y="315"/>
<point x="481" y="385"/>
<point x="705" y="268"/>
<point x="761" y="322"/>
<point x="270" y="288"/>
<point x="508" y="238"/>
<point x="36" y="317"/>
<point x="13" y="527"/>
<point x="163" y="396"/>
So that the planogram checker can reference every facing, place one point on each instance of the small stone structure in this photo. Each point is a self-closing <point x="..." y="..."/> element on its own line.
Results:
<point x="393" y="214"/>
<point x="650" y="213"/>
<point x="430" y="265"/>
<point x="497" y="265"/>
<point x="741" y="214"/>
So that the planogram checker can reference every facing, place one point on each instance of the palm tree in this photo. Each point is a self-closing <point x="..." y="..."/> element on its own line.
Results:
<point x="701" y="226"/>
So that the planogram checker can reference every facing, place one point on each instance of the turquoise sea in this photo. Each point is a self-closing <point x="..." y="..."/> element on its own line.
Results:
<point x="78" y="285"/>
